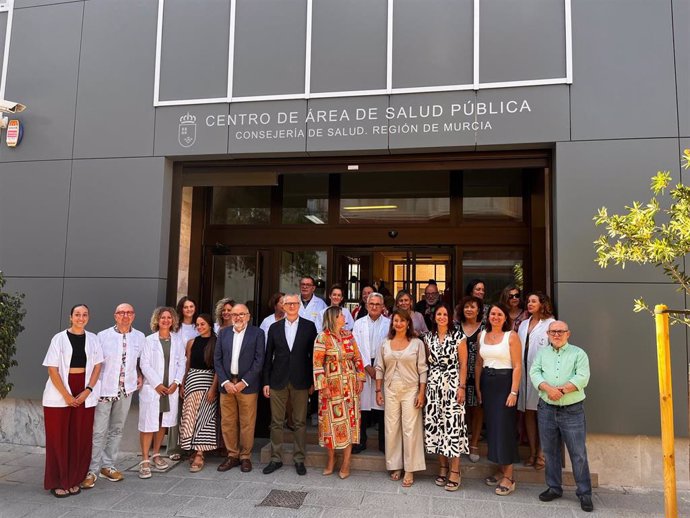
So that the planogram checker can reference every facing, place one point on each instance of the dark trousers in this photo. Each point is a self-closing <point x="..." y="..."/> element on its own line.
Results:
<point x="564" y="424"/>
<point x="371" y="418"/>
<point x="68" y="440"/>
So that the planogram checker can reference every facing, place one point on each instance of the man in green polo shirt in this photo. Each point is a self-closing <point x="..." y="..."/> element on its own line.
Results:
<point x="561" y="373"/>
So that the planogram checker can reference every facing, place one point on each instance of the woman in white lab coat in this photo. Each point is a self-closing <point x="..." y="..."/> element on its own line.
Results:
<point x="74" y="360"/>
<point x="163" y="366"/>
<point x="532" y="333"/>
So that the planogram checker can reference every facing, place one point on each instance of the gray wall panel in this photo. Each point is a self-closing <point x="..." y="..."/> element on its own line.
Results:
<point x="681" y="22"/>
<point x="544" y="118"/>
<point x="115" y="114"/>
<point x="270" y="46"/>
<point x="117" y="218"/>
<point x="589" y="175"/>
<point x="42" y="74"/>
<point x="208" y="126"/>
<point x="623" y="75"/>
<point x="622" y="396"/>
<point x="194" y="56"/>
<point x="348" y="45"/>
<point x="3" y="33"/>
<point x="43" y="319"/>
<point x="432" y="43"/>
<point x="444" y="132"/>
<point x="338" y="134"/>
<point x="34" y="201"/>
<point x="521" y="40"/>
<point x="285" y="130"/>
<point x="103" y="295"/>
<point x="18" y="4"/>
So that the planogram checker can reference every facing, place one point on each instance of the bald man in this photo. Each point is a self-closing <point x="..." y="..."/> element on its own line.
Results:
<point x="561" y="373"/>
<point x="122" y="346"/>
<point x="239" y="360"/>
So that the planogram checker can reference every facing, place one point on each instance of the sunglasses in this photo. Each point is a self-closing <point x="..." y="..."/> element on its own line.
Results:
<point x="514" y="296"/>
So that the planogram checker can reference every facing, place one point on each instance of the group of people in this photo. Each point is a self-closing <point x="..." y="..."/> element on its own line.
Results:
<point x="421" y="372"/>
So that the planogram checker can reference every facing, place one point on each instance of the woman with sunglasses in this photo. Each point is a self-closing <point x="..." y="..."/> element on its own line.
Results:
<point x="533" y="337"/>
<point x="512" y="299"/>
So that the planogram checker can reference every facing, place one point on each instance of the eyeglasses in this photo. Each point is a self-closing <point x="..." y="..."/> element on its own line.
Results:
<point x="558" y="332"/>
<point x="290" y="303"/>
<point x="514" y="296"/>
<point x="239" y="315"/>
<point x="375" y="304"/>
<point x="124" y="313"/>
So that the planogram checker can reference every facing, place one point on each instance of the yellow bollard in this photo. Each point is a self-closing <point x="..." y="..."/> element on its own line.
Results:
<point x="663" y="353"/>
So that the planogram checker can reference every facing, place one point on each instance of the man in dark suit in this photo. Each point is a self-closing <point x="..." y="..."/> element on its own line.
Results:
<point x="288" y="372"/>
<point x="238" y="359"/>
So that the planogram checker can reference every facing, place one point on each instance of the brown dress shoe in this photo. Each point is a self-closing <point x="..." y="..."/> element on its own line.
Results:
<point x="246" y="465"/>
<point x="229" y="463"/>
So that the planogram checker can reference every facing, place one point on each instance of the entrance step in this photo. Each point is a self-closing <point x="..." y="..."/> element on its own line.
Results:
<point x="373" y="460"/>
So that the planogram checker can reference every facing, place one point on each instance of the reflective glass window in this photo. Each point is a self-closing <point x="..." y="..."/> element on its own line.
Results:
<point x="385" y="197"/>
<point x="305" y="199"/>
<point x="492" y="194"/>
<point x="241" y="205"/>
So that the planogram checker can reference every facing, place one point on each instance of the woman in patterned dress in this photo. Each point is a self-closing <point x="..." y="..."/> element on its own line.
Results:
<point x="199" y="424"/>
<point x="470" y="313"/>
<point x="445" y="432"/>
<point x="339" y="378"/>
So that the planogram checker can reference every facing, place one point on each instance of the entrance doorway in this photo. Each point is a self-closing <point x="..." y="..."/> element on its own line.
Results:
<point x="248" y="229"/>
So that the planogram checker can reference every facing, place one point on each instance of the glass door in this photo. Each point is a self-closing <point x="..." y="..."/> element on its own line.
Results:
<point x="238" y="274"/>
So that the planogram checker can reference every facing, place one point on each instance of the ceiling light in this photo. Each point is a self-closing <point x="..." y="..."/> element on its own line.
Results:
<point x="372" y="207"/>
<point x="314" y="219"/>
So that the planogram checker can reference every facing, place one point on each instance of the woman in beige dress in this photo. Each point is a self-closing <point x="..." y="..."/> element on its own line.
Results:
<point x="401" y="368"/>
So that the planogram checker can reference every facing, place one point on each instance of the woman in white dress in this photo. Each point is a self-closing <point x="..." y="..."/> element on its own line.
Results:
<point x="187" y="311"/>
<point x="337" y="298"/>
<point x="163" y="365"/>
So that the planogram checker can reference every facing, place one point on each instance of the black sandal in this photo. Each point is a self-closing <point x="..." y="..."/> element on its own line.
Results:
<point x="452" y="485"/>
<point x="55" y="493"/>
<point x="441" y="479"/>
<point x="502" y="490"/>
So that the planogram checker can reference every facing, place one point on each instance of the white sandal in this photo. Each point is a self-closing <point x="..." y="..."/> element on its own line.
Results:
<point x="145" y="471"/>
<point x="159" y="462"/>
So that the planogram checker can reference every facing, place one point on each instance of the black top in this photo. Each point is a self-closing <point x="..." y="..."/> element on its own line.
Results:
<point x="196" y="355"/>
<point x="78" y="342"/>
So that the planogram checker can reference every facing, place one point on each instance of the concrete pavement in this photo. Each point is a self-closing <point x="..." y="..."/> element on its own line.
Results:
<point x="218" y="495"/>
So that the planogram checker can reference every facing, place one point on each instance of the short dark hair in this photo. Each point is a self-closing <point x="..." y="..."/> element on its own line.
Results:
<point x="71" y="311"/>
<point x="274" y="299"/>
<point x="313" y="281"/>
<point x="337" y="286"/>
<point x="405" y="315"/>
<point x="506" y="324"/>
<point x="503" y="299"/>
<point x="459" y="309"/>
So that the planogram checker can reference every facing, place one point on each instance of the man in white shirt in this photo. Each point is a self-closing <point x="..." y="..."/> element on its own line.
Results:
<point x="370" y="332"/>
<point x="311" y="305"/>
<point x="122" y="346"/>
<point x="239" y="359"/>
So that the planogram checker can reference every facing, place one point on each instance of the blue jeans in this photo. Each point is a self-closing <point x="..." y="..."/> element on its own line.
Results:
<point x="566" y="424"/>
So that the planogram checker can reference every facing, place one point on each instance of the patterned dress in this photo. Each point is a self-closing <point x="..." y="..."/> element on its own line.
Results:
<point x="445" y="431"/>
<point x="338" y="366"/>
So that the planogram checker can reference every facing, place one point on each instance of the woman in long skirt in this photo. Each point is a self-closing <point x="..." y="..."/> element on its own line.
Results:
<point x="199" y="425"/>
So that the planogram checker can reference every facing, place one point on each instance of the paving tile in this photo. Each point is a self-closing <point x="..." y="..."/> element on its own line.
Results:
<point x="26" y="475"/>
<point x="6" y="469"/>
<point x="462" y="507"/>
<point x="32" y="460"/>
<point x="167" y="506"/>
<point x="397" y="502"/>
<point x="256" y="492"/>
<point x="334" y="498"/>
<point x="20" y="509"/>
<point x="200" y="487"/>
<point x="538" y="510"/>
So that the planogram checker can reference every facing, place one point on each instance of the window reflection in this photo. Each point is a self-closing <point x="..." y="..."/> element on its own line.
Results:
<point x="305" y="199"/>
<point x="241" y="205"/>
<point x="492" y="194"/>
<point x="409" y="196"/>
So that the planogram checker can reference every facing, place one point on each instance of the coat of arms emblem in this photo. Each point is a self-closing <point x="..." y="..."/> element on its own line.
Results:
<point x="186" y="133"/>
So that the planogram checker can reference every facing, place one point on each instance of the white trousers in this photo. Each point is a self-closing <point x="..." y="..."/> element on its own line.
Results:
<point x="404" y="428"/>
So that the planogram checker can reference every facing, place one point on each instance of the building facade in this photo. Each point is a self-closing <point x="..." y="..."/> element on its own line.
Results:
<point x="227" y="147"/>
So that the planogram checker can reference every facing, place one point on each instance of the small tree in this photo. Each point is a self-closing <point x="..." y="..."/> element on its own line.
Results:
<point x="11" y="316"/>
<point x="637" y="237"/>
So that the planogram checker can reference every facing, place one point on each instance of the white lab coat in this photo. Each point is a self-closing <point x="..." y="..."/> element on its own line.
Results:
<point x="368" y="351"/>
<point x="60" y="355"/>
<point x="538" y="339"/>
<point x="312" y="310"/>
<point x="349" y="321"/>
<point x="187" y="332"/>
<point x="152" y="368"/>
<point x="111" y="344"/>
<point x="266" y="323"/>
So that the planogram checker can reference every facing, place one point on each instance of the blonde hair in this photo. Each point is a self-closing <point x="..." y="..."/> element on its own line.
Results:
<point x="219" y="309"/>
<point x="157" y="315"/>
<point x="330" y="316"/>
